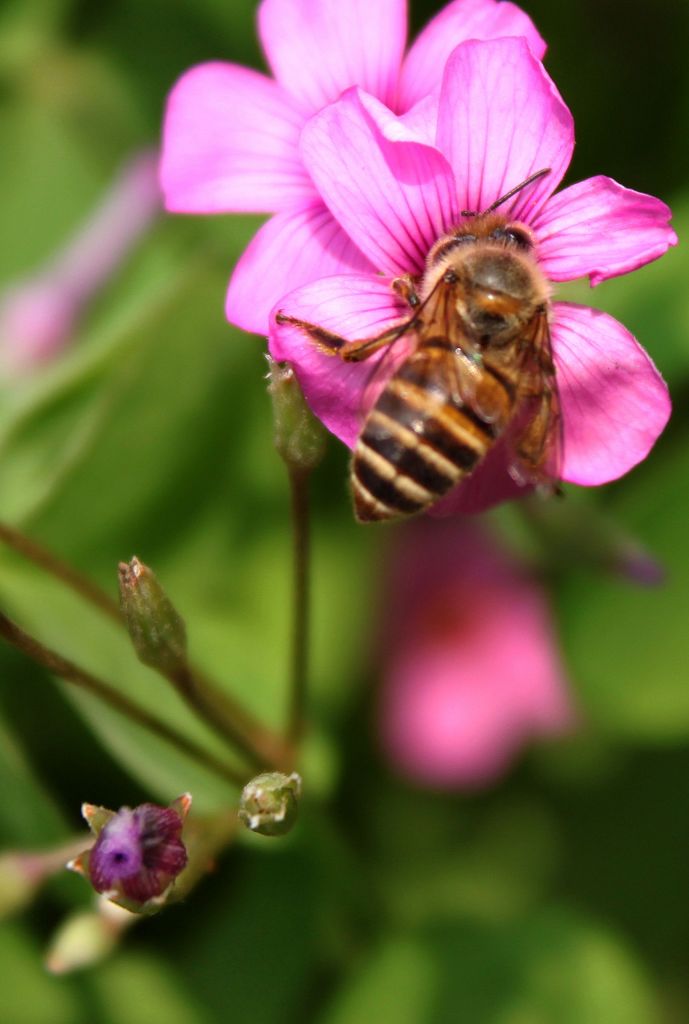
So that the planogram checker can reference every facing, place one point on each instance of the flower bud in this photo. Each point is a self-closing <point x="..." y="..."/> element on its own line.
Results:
<point x="23" y="872"/>
<point x="137" y="855"/>
<point x="17" y="884"/>
<point x="86" y="937"/>
<point x="299" y="437"/>
<point x="268" y="804"/>
<point x="156" y="629"/>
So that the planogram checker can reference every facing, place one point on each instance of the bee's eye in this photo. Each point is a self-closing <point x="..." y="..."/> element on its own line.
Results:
<point x="512" y="236"/>
<point x="453" y="243"/>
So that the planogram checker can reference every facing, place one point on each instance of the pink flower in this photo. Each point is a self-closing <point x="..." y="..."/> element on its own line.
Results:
<point x="231" y="135"/>
<point x="39" y="314"/>
<point x="397" y="184"/>
<point x="472" y="670"/>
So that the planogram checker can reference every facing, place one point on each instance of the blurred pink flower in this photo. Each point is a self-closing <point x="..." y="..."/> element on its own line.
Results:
<point x="396" y="185"/>
<point x="471" y="664"/>
<point x="39" y="314"/>
<point x="231" y="135"/>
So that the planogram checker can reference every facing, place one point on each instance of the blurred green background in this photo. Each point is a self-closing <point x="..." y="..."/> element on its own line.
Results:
<point x="556" y="897"/>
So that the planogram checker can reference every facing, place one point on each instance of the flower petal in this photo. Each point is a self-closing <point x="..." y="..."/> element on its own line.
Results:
<point x="600" y="228"/>
<point x="230" y="144"/>
<point x="290" y="250"/>
<point x="614" y="402"/>
<point x="422" y="118"/>
<point x="319" y="48"/>
<point x="353" y="306"/>
<point x="472" y="670"/>
<point x="422" y="70"/>
<point x="393" y="195"/>
<point x="614" y="406"/>
<point x="500" y="120"/>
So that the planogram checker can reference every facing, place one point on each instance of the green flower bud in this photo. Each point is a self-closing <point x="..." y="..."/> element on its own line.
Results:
<point x="268" y="804"/>
<point x="156" y="629"/>
<point x="86" y="937"/>
<point x="299" y="437"/>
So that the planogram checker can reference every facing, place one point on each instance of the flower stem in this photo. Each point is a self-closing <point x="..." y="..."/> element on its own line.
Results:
<point x="71" y="673"/>
<point x="53" y="565"/>
<point x="301" y="543"/>
<point x="217" y="708"/>
<point x="258" y="745"/>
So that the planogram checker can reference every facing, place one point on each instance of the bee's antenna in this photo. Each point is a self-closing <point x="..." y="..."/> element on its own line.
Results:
<point x="503" y="199"/>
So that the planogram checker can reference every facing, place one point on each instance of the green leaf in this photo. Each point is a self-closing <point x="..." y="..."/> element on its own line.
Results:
<point x="28" y="816"/>
<point x="253" y="957"/>
<point x="64" y="623"/>
<point x="139" y="988"/>
<point x="397" y="983"/>
<point x="550" y="968"/>
<point x="28" y="994"/>
<point x="626" y="644"/>
<point x="114" y="422"/>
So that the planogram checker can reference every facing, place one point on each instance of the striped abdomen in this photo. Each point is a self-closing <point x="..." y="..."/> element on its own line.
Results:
<point x="419" y="439"/>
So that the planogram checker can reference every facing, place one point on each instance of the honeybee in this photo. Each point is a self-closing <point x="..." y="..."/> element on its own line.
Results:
<point x="480" y="369"/>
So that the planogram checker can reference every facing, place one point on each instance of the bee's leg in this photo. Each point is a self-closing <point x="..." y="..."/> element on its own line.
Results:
<point x="325" y="340"/>
<point x="334" y="345"/>
<point x="406" y="289"/>
<point x="357" y="351"/>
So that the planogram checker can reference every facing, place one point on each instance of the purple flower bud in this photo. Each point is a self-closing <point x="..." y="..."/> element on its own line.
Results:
<point x="138" y="852"/>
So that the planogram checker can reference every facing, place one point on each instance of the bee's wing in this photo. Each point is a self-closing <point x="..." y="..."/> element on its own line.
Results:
<point x="436" y="319"/>
<point x="462" y="372"/>
<point x="535" y="436"/>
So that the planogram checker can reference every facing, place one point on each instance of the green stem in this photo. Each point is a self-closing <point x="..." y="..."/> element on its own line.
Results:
<point x="213" y="705"/>
<point x="71" y="673"/>
<point x="301" y="542"/>
<point x="53" y="565"/>
<point x="229" y="719"/>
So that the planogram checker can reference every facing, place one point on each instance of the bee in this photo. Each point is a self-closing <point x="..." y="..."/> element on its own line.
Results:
<point x="480" y="369"/>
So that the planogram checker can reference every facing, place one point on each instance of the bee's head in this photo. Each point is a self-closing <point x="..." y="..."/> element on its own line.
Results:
<point x="489" y="263"/>
<point x="480" y="231"/>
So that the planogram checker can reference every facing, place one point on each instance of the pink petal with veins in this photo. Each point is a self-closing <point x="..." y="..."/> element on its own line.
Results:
<point x="422" y="119"/>
<point x="422" y="70"/>
<point x="291" y="249"/>
<point x="500" y="120"/>
<point x="393" y="195"/>
<point x="319" y="48"/>
<point x="599" y="228"/>
<point x="353" y="306"/>
<point x="614" y="402"/>
<point x="230" y="144"/>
